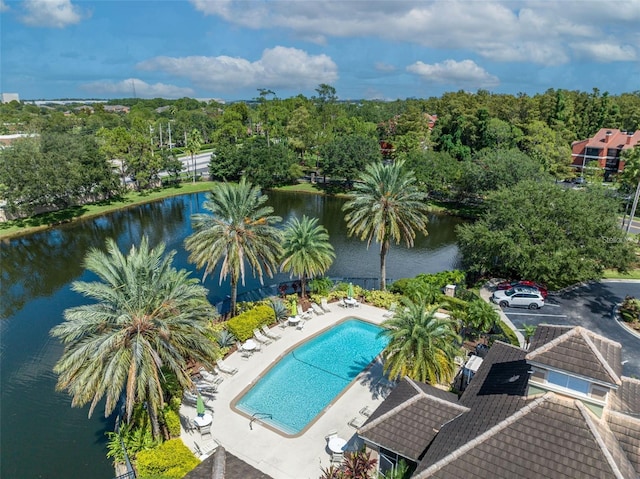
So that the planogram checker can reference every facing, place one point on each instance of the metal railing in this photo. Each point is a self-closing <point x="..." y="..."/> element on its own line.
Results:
<point x="259" y="415"/>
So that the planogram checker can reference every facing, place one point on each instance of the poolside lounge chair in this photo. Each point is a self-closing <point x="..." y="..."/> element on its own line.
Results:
<point x="337" y="458"/>
<point x="244" y="354"/>
<point x="261" y="338"/>
<point x="206" y="449"/>
<point x="357" y="421"/>
<point x="210" y="377"/>
<point x="207" y="392"/>
<point x="324" y="305"/>
<point x="331" y="434"/>
<point x="270" y="334"/>
<point x="317" y="309"/>
<point x="366" y="411"/>
<point x="226" y="369"/>
<point x="301" y="324"/>
<point x="391" y="311"/>
<point x="206" y="431"/>
<point x="307" y="314"/>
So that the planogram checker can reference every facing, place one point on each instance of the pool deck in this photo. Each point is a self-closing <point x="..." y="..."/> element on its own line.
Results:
<point x="284" y="457"/>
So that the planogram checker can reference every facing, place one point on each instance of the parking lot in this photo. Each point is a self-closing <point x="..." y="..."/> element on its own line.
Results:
<point x="593" y="307"/>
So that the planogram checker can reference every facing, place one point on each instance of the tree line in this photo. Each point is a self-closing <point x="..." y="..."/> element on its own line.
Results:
<point x="479" y="141"/>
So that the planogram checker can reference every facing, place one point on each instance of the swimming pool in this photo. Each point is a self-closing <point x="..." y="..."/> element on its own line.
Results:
<point x="309" y="377"/>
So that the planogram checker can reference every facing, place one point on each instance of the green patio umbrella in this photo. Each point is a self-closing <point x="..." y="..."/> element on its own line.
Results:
<point x="294" y="308"/>
<point x="200" y="409"/>
<point x="350" y="291"/>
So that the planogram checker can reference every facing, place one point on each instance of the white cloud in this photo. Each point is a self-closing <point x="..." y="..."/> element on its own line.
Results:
<point x="3" y="6"/>
<point x="501" y="30"/>
<point x="384" y="67"/>
<point x="142" y="89"/>
<point x="279" y="67"/>
<point x="462" y="74"/>
<point x="51" y="13"/>
<point x="605" y="52"/>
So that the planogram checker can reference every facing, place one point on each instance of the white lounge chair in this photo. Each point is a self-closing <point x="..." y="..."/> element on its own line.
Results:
<point x="330" y="435"/>
<point x="391" y="311"/>
<point x="307" y="314"/>
<point x="270" y="334"/>
<point x="206" y="449"/>
<point x="337" y="458"/>
<point x="261" y="338"/>
<point x="226" y="369"/>
<point x="317" y="309"/>
<point x="357" y="421"/>
<point x="301" y="324"/>
<point x="366" y="411"/>
<point x="210" y="377"/>
<point x="324" y="305"/>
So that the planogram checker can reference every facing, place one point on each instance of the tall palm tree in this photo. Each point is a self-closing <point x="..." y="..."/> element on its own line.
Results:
<point x="193" y="143"/>
<point x="147" y="317"/>
<point x="421" y="345"/>
<point x="240" y="231"/>
<point x="385" y="206"/>
<point x="307" y="251"/>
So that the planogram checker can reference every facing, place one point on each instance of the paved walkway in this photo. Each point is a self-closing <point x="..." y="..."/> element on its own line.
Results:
<point x="272" y="453"/>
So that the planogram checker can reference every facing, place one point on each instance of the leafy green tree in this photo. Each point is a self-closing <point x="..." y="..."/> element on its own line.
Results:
<point x="386" y="206"/>
<point x="549" y="148"/>
<point x="240" y="231"/>
<point x="269" y="166"/>
<point x="437" y="173"/>
<point x="421" y="345"/>
<point x="307" y="250"/>
<point x="228" y="162"/>
<point x="545" y="233"/>
<point x="300" y="130"/>
<point x="346" y="156"/>
<point x="631" y="174"/>
<point x="481" y="316"/>
<point x="147" y="315"/>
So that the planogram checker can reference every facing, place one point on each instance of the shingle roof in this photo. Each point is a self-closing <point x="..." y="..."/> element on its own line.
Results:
<point x="581" y="352"/>
<point x="627" y="432"/>
<point x="495" y="392"/>
<point x="550" y="437"/>
<point x="626" y="399"/>
<point x="411" y="425"/>
<point x="232" y="468"/>
<point x="546" y="333"/>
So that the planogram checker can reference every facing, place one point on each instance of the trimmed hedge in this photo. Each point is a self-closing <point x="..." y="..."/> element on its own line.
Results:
<point x="242" y="326"/>
<point x="170" y="460"/>
<point x="172" y="420"/>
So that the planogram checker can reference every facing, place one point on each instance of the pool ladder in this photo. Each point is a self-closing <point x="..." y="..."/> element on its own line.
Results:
<point x="259" y="415"/>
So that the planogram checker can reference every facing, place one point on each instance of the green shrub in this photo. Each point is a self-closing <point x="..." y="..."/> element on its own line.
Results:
<point x="320" y="286"/>
<point x="172" y="421"/>
<point x="242" y="326"/>
<point x="630" y="309"/>
<point x="175" y="402"/>
<point x="381" y="299"/>
<point x="412" y="286"/>
<point x="171" y="459"/>
<point x="509" y="336"/>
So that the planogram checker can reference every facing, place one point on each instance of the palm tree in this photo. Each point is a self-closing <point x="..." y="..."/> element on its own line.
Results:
<point x="240" y="231"/>
<point x="481" y="316"/>
<point x="193" y="144"/>
<point x="307" y="251"/>
<point x="148" y="317"/>
<point x="421" y="345"/>
<point x="386" y="205"/>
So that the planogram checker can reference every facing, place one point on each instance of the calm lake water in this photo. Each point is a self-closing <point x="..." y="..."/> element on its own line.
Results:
<point x="41" y="436"/>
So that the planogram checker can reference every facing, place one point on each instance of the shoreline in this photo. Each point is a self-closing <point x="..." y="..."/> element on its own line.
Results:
<point x="45" y="221"/>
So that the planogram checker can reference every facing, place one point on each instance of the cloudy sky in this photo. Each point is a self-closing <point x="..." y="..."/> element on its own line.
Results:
<point x="384" y="49"/>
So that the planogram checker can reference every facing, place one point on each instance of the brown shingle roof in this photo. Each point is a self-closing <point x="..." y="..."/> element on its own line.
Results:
<point x="546" y="333"/>
<point x="550" y="437"/>
<point x="626" y="430"/>
<point x="626" y="399"/>
<point x="581" y="352"/>
<point x="410" y="426"/>
<point x="232" y="468"/>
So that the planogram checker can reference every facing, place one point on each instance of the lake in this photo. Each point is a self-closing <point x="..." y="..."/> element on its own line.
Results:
<point x="41" y="435"/>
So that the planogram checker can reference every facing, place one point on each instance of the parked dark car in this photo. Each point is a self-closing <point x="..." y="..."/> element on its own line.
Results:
<point x="523" y="282"/>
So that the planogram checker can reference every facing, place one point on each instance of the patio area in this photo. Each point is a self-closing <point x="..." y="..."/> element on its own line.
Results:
<point x="279" y="456"/>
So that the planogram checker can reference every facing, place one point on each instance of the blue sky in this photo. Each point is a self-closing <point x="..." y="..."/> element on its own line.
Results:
<point x="383" y="49"/>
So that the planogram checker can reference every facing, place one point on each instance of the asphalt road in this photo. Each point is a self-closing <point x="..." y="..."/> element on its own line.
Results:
<point x="592" y="306"/>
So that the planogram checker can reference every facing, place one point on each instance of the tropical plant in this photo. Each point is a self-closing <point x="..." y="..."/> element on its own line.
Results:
<point x="147" y="316"/>
<point x="358" y="465"/>
<point x="320" y="286"/>
<point x="242" y="326"/>
<point x="529" y="330"/>
<point x="630" y="309"/>
<point x="225" y="339"/>
<point x="170" y="460"/>
<point x="307" y="251"/>
<point x="192" y="147"/>
<point x="280" y="309"/>
<point x="481" y="316"/>
<point x="421" y="345"/>
<point x="386" y="205"/>
<point x="240" y="231"/>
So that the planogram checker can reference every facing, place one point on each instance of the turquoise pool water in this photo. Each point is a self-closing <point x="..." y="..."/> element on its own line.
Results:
<point x="308" y="378"/>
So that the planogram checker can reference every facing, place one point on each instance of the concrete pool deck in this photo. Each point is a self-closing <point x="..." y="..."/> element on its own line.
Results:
<point x="279" y="456"/>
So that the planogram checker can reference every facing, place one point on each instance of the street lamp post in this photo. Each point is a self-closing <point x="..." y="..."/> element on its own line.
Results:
<point x="633" y="208"/>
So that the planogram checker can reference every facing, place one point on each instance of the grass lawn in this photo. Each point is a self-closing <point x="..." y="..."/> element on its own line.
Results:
<point x="47" y="220"/>
<point x="615" y="274"/>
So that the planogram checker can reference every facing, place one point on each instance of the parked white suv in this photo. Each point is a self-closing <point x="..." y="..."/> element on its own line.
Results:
<point x="519" y="297"/>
